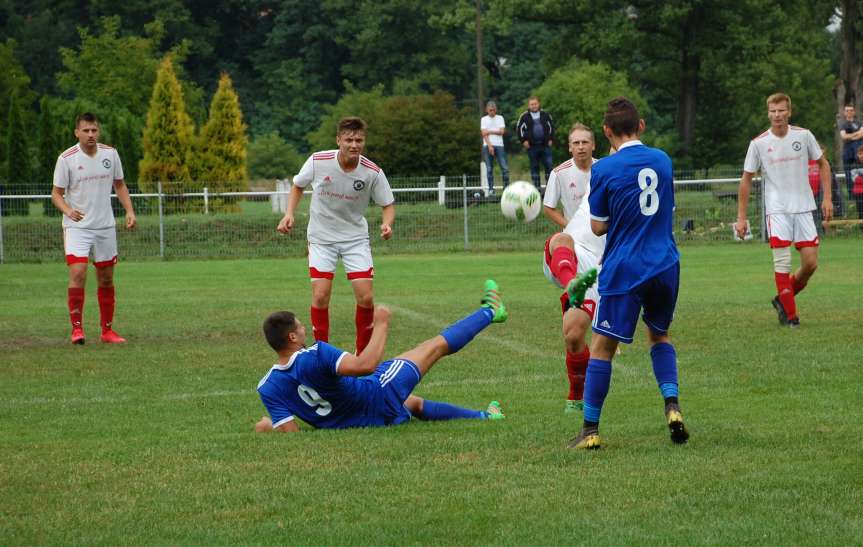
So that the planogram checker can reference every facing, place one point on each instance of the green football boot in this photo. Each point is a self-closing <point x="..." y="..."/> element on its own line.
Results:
<point x="494" y="412"/>
<point x="577" y="287"/>
<point x="573" y="407"/>
<point x="491" y="300"/>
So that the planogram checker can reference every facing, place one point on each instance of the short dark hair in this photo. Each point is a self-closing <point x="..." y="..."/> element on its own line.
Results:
<point x="277" y="327"/>
<point x="351" y="124"/>
<point x="621" y="117"/>
<point x="85" y="117"/>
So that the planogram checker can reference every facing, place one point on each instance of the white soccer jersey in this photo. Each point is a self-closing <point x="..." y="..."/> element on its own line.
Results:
<point x="570" y="186"/>
<point x="784" y="164"/>
<point x="88" y="181"/>
<point x="340" y="199"/>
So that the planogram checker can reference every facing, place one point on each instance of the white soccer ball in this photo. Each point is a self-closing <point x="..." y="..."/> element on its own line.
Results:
<point x="520" y="201"/>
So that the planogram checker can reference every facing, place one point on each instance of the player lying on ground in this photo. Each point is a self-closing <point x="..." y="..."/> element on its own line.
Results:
<point x="329" y="388"/>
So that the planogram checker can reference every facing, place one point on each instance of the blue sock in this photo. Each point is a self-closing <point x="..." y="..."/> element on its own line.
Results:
<point x="596" y="384"/>
<point x="665" y="368"/>
<point x="462" y="331"/>
<point x="434" y="410"/>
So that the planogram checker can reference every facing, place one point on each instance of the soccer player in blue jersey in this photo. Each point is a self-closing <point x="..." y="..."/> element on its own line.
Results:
<point x="632" y="202"/>
<point x="329" y="388"/>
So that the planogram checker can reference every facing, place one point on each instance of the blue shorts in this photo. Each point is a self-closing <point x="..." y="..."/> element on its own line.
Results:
<point x="617" y="314"/>
<point x="397" y="378"/>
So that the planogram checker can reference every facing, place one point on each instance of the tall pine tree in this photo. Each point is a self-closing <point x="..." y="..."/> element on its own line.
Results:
<point x="220" y="161"/>
<point x="47" y="149"/>
<point x="167" y="139"/>
<point x="17" y="167"/>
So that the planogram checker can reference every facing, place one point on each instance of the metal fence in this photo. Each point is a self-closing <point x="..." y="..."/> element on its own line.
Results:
<point x="434" y="214"/>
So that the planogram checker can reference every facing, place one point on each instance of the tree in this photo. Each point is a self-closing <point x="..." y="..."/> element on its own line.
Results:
<point x="220" y="161"/>
<point x="270" y="157"/>
<point x="16" y="168"/>
<point x="579" y="92"/>
<point x="48" y="149"/>
<point x="167" y="137"/>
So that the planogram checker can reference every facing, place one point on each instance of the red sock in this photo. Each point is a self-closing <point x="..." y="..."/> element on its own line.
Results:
<point x="75" y="298"/>
<point x="563" y="264"/>
<point x="106" y="307"/>
<point x="363" y="319"/>
<point x="321" y="323"/>
<point x="576" y="368"/>
<point x="797" y="285"/>
<point x="786" y="294"/>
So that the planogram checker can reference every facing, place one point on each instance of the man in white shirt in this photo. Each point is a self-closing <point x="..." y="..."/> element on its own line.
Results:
<point x="83" y="178"/>
<point x="782" y="154"/>
<point x="493" y="128"/>
<point x="343" y="181"/>
<point x="573" y="251"/>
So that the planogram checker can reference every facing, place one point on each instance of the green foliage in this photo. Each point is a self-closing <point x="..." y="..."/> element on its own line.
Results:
<point x="408" y="135"/>
<point x="48" y="149"/>
<point x="270" y="157"/>
<point x="16" y="167"/>
<point x="579" y="92"/>
<point x="220" y="158"/>
<point x="167" y="137"/>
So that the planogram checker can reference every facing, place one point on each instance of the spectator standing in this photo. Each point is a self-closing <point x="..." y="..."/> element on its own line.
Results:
<point x="857" y="183"/>
<point x="851" y="132"/>
<point x="492" y="128"/>
<point x="536" y="133"/>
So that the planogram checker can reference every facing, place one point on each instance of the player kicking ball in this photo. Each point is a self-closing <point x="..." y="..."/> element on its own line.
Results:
<point x="329" y="388"/>
<point x="632" y="201"/>
<point x="575" y="250"/>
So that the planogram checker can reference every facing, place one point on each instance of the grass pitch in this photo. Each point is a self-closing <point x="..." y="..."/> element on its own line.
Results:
<point x="152" y="442"/>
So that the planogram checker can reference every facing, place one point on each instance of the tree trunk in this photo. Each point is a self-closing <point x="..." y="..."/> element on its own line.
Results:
<point x="690" y="64"/>
<point x="847" y="89"/>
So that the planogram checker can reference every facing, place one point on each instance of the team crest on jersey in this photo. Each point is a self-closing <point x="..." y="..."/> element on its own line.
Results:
<point x="359" y="185"/>
<point x="106" y="163"/>
<point x="796" y="146"/>
<point x="327" y="179"/>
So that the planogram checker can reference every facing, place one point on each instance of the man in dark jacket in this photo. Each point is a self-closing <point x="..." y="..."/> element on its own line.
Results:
<point x="536" y="132"/>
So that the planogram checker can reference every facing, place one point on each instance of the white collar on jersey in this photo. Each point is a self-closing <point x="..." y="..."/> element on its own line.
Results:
<point x="627" y="144"/>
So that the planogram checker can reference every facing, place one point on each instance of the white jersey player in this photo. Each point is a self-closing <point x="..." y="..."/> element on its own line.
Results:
<point x="83" y="179"/>
<point x="572" y="252"/>
<point x="343" y="182"/>
<point x="782" y="154"/>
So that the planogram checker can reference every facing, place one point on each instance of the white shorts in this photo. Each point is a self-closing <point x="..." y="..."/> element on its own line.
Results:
<point x="355" y="255"/>
<point x="787" y="228"/>
<point x="77" y="243"/>
<point x="586" y="260"/>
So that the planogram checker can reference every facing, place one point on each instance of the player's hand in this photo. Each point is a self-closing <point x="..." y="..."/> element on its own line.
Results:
<point x="827" y="209"/>
<point x="386" y="231"/>
<point x="286" y="224"/>
<point x="491" y="151"/>
<point x="75" y="215"/>
<point x="382" y="314"/>
<point x="525" y="144"/>
<point x="264" y="425"/>
<point x="131" y="221"/>
<point x="740" y="228"/>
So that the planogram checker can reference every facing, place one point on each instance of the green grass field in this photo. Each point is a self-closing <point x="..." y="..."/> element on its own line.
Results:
<point x="152" y="443"/>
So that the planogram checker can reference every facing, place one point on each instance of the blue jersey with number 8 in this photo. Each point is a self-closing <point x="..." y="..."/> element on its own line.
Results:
<point x="633" y="190"/>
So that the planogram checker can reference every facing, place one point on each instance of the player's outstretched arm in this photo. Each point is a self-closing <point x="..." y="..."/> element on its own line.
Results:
<point x="287" y="222"/>
<point x="366" y="362"/>
<point x="554" y="215"/>
<point x="388" y="216"/>
<point x="743" y="203"/>
<point x="265" y="425"/>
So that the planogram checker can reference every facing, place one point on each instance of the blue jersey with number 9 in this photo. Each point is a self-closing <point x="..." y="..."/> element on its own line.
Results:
<point x="309" y="388"/>
<point x="633" y="190"/>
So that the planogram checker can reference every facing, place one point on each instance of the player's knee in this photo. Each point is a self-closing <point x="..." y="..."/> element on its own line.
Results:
<point x="782" y="260"/>
<point x="561" y="240"/>
<point x="365" y="300"/>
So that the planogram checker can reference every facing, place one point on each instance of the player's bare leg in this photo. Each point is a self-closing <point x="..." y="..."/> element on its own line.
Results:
<point x="75" y="299"/>
<point x="322" y="288"/>
<point x="105" y="277"/>
<point x="808" y="265"/>
<point x="364" y="314"/>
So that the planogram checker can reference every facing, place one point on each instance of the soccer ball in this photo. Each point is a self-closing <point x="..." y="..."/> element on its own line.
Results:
<point x="520" y="201"/>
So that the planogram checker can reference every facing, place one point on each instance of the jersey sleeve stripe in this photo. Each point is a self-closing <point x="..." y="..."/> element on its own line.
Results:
<point x="600" y="219"/>
<point x="563" y="166"/>
<point x="368" y="163"/>
<point x="761" y="135"/>
<point x="324" y="156"/>
<point x="283" y="421"/>
<point x="71" y="151"/>
<point x="339" y="361"/>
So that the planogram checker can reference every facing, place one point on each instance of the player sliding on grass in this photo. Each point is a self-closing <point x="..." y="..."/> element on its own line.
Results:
<point x="575" y="250"/>
<point x="632" y="200"/>
<point x="329" y="388"/>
